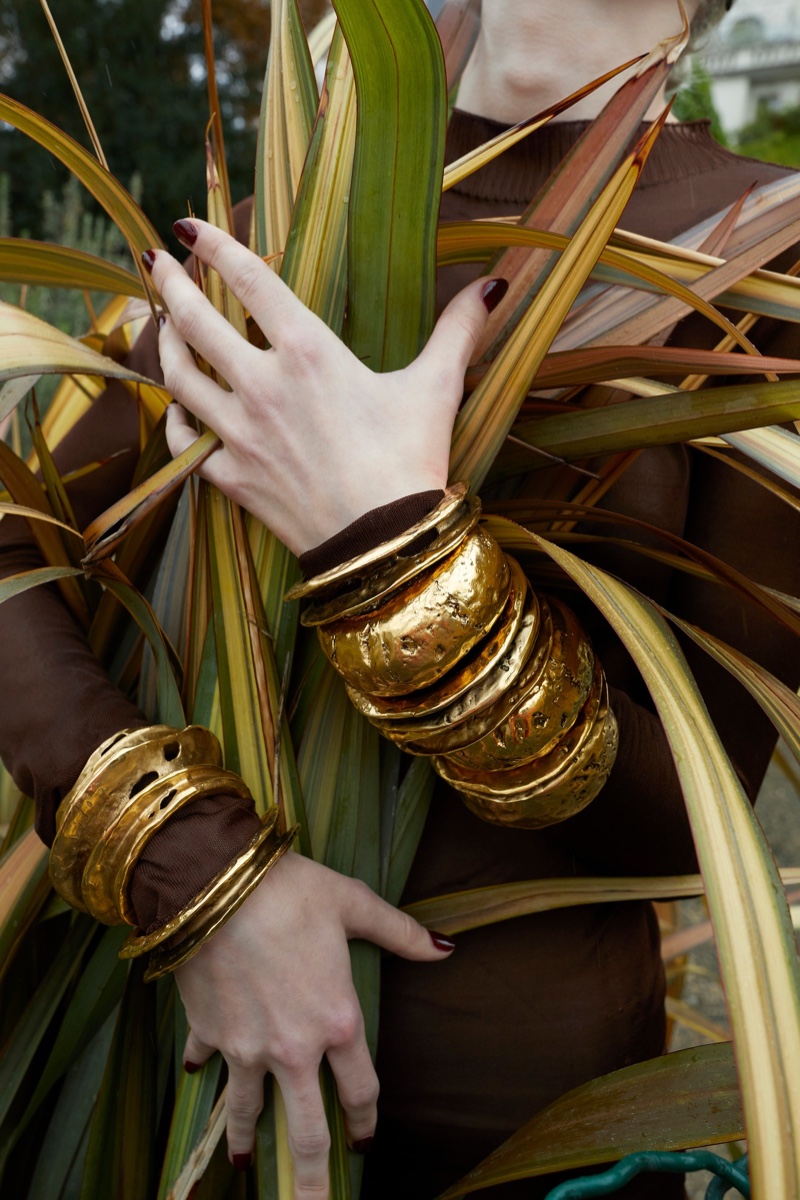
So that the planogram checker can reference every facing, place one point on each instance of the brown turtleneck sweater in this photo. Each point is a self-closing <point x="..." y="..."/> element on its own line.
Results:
<point x="538" y="1005"/>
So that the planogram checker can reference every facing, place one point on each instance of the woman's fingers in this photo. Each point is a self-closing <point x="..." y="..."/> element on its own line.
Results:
<point x="244" y="1099"/>
<point x="366" y="915"/>
<point x="187" y="384"/>
<point x="195" y="1052"/>
<point x="180" y="433"/>
<point x="275" y="308"/>
<point x="307" y="1127"/>
<point x="198" y="322"/>
<point x="357" y="1085"/>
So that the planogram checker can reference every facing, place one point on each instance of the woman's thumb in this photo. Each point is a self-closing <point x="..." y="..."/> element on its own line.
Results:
<point x="459" y="330"/>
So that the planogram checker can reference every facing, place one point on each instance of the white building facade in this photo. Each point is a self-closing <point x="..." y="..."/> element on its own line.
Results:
<point x="754" y="61"/>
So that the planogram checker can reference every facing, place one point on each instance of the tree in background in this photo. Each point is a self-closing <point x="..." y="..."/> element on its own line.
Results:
<point x="694" y="101"/>
<point x="140" y="65"/>
<point x="774" y="136"/>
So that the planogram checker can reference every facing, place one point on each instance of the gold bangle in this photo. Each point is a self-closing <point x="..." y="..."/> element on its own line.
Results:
<point x="475" y="666"/>
<point x="487" y="704"/>
<point x="108" y="872"/>
<point x="424" y="630"/>
<point x="365" y="594"/>
<point x="123" y="765"/>
<point x="223" y="897"/>
<point x="547" y="711"/>
<point x="549" y="789"/>
<point x="330" y="581"/>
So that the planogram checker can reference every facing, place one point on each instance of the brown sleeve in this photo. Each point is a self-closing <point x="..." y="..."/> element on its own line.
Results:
<point x="57" y="704"/>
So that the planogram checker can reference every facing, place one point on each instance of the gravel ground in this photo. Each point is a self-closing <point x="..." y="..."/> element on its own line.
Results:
<point x="779" y="812"/>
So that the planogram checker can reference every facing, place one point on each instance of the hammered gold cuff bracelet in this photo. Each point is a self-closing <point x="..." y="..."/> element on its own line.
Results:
<point x="130" y="787"/>
<point x="446" y="649"/>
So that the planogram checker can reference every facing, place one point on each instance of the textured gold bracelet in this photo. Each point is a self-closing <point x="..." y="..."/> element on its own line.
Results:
<point x="365" y="593"/>
<point x="209" y="911"/>
<point x="547" y="710"/>
<point x="518" y="623"/>
<point x="547" y="790"/>
<point x="453" y="656"/>
<point x="427" y="627"/>
<point x="331" y="583"/>
<point x="115" y="773"/>
<point x="107" y="875"/>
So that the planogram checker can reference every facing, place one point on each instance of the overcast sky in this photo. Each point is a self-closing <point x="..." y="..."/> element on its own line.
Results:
<point x="782" y="16"/>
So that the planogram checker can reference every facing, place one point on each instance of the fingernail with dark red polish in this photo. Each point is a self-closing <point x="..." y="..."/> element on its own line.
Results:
<point x="186" y="232"/>
<point x="162" y="320"/>
<point x="441" y="942"/>
<point x="362" y="1146"/>
<point x="149" y="261"/>
<point x="242" y="1162"/>
<point x="191" y="1068"/>
<point x="493" y="293"/>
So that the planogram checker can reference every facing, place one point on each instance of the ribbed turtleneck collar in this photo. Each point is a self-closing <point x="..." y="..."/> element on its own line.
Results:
<point x="681" y="150"/>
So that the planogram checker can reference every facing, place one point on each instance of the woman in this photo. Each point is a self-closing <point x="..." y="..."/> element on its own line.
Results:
<point x="474" y="1042"/>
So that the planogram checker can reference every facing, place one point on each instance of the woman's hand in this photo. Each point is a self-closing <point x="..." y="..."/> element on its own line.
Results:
<point x="273" y="991"/>
<point x="311" y="437"/>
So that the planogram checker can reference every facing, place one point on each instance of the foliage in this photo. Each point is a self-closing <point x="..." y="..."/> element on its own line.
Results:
<point x="93" y="1052"/>
<point x="142" y="57"/>
<point x="694" y="101"/>
<point x="774" y="136"/>
<point x="67" y="220"/>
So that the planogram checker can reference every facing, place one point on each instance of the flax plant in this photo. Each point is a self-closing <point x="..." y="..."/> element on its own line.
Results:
<point x="181" y="592"/>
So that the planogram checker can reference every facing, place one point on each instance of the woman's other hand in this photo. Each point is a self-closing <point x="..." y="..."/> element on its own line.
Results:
<point x="312" y="438"/>
<point x="273" y="991"/>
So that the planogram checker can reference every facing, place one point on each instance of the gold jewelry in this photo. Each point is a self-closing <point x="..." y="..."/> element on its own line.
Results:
<point x="475" y="666"/>
<point x="117" y="770"/>
<point x="450" y="654"/>
<point x="549" y="789"/>
<point x="365" y="594"/>
<point x="487" y="704"/>
<point x="424" y="630"/>
<point x="223" y="897"/>
<point x="547" y="711"/>
<point x="107" y="875"/>
<point x="329" y="581"/>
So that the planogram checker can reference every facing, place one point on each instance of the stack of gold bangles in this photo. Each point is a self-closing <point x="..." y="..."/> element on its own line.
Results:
<point x="446" y="649"/>
<point x="130" y="787"/>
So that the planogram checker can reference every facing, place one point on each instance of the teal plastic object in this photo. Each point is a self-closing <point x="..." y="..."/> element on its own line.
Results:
<point x="727" y="1175"/>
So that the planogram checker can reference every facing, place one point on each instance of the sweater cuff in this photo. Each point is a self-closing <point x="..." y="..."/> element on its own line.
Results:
<point x="368" y="531"/>
<point x="186" y="853"/>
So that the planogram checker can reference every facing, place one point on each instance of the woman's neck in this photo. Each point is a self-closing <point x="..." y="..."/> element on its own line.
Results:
<point x="532" y="53"/>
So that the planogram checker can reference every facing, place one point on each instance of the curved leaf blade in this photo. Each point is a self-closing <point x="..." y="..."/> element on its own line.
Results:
<point x="671" y="1103"/>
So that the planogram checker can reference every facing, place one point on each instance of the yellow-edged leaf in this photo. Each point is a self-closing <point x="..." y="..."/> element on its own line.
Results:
<point x="460" y="911"/>
<point x="108" y="191"/>
<point x="43" y="264"/>
<point x="29" y="346"/>
<point x="752" y="926"/>
<point x="484" y="421"/>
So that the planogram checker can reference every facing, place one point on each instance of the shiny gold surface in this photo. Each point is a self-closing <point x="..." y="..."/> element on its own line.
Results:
<point x="231" y="889"/>
<point x="425" y="629"/>
<point x="266" y="839"/>
<point x="111" y="864"/>
<point x="483" y="707"/>
<point x="371" y="590"/>
<point x="331" y="581"/>
<point x="547" y="711"/>
<point x="563" y="793"/>
<point x="542" y="771"/>
<point x="103" y="791"/>
<point x="474" y="667"/>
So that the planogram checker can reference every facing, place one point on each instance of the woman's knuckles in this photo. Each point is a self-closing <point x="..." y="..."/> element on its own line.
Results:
<point x="310" y="1144"/>
<point x="344" y="1026"/>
